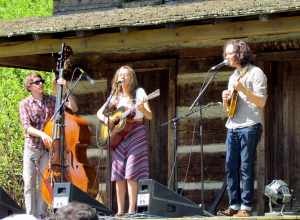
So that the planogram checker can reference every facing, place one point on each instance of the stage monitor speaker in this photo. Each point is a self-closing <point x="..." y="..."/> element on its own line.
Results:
<point x="7" y="205"/>
<point x="65" y="192"/>
<point x="156" y="199"/>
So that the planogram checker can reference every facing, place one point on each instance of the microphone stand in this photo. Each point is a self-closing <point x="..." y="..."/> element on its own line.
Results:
<point x="68" y="93"/>
<point x="203" y="88"/>
<point x="174" y="121"/>
<point x="108" y="148"/>
<point x="174" y="167"/>
<point x="198" y="100"/>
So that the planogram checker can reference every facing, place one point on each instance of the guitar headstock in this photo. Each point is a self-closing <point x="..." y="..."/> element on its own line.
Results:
<point x="154" y="94"/>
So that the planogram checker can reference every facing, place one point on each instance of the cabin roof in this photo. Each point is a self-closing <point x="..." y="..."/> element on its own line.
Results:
<point x="146" y="16"/>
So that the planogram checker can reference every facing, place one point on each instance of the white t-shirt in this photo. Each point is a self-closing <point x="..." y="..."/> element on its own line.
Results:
<point x="125" y="101"/>
<point x="247" y="113"/>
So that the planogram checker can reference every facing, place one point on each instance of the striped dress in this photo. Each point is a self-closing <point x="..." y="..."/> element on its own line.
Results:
<point x="130" y="159"/>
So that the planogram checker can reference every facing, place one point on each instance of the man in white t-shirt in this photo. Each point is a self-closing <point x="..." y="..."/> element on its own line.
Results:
<point x="244" y="128"/>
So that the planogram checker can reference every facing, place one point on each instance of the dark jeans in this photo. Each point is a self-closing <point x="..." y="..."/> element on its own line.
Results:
<point x="241" y="152"/>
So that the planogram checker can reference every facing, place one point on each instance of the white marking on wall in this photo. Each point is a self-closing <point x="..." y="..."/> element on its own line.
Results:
<point x="211" y="185"/>
<point x="208" y="148"/>
<point x="208" y="185"/>
<point x="102" y="186"/>
<point x="215" y="110"/>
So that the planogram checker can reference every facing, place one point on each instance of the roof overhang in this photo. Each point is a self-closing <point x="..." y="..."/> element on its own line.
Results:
<point x="23" y="43"/>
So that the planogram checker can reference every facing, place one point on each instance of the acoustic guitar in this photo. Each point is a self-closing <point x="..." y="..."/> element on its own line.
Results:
<point x="121" y="123"/>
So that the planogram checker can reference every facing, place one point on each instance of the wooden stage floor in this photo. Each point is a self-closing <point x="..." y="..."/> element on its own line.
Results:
<point x="270" y="217"/>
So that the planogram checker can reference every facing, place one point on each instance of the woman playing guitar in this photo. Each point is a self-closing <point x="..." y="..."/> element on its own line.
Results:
<point x="130" y="160"/>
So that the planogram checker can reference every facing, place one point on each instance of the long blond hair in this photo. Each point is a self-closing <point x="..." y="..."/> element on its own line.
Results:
<point x="133" y="84"/>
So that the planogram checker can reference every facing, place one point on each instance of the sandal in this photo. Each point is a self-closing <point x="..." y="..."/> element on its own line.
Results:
<point x="119" y="214"/>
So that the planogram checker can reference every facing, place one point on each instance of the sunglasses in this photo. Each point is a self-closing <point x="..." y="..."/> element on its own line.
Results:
<point x="38" y="82"/>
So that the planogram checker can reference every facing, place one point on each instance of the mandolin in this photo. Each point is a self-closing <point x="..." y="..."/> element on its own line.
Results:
<point x="121" y="123"/>
<point x="233" y="101"/>
<point x="232" y="104"/>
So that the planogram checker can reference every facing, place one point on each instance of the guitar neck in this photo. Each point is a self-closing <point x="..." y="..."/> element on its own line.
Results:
<point x="152" y="95"/>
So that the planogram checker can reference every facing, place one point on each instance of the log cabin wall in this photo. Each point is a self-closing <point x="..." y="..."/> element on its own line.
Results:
<point x="282" y="135"/>
<point x="276" y="153"/>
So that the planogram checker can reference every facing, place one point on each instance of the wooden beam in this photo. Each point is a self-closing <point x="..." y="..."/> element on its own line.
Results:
<point x="279" y="56"/>
<point x="195" y="36"/>
<point x="171" y="114"/>
<point x="41" y="62"/>
<point x="147" y="65"/>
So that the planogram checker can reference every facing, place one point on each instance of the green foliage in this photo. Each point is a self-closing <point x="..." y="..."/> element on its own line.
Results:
<point x="11" y="92"/>
<point x="12" y="9"/>
<point x="11" y="133"/>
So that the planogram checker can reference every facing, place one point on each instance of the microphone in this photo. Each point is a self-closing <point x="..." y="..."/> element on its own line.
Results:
<point x="91" y="81"/>
<point x="220" y="65"/>
<point x="117" y="85"/>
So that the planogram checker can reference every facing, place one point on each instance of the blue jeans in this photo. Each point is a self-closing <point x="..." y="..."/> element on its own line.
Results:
<point x="241" y="152"/>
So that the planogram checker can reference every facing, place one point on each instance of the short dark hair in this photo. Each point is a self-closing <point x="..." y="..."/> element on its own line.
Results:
<point x="242" y="51"/>
<point x="75" y="211"/>
<point x="29" y="79"/>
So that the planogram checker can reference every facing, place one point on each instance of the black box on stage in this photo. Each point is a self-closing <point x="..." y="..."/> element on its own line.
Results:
<point x="65" y="192"/>
<point x="156" y="199"/>
<point x="8" y="206"/>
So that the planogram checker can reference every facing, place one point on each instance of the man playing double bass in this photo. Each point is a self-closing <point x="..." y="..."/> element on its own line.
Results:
<point x="35" y="111"/>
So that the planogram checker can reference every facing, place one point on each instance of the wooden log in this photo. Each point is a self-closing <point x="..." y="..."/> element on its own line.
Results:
<point x="200" y="53"/>
<point x="90" y="103"/>
<point x="214" y="131"/>
<point x="198" y="64"/>
<point x="189" y="167"/>
<point x="188" y="90"/>
<point x="278" y="56"/>
<point x="280" y="28"/>
<point x="85" y="87"/>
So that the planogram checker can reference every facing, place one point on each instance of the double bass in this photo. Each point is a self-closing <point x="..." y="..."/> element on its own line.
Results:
<point x="67" y="154"/>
